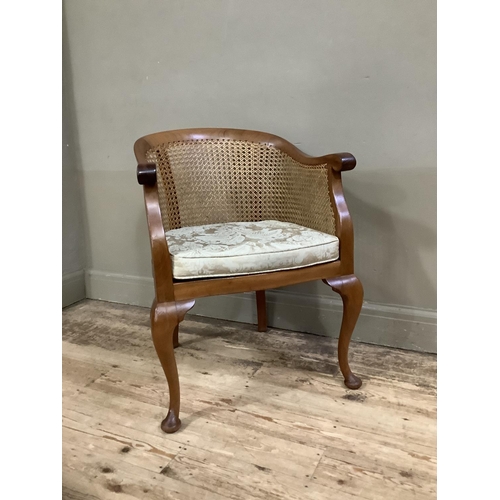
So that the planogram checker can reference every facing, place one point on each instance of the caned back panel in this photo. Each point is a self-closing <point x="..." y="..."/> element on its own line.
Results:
<point x="208" y="181"/>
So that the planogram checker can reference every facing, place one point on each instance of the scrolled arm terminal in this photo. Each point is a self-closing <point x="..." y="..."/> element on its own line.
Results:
<point x="146" y="174"/>
<point x="341" y="162"/>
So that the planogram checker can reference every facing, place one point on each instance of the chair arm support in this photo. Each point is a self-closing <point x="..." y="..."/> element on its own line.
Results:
<point x="344" y="228"/>
<point x="162" y="264"/>
<point x="146" y="174"/>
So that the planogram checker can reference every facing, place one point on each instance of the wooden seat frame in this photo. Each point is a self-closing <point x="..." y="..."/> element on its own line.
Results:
<point x="173" y="298"/>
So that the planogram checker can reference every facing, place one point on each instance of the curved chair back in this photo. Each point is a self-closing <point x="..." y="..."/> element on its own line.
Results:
<point x="208" y="176"/>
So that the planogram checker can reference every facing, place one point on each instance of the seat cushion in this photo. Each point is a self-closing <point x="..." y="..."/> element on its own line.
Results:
<point x="237" y="248"/>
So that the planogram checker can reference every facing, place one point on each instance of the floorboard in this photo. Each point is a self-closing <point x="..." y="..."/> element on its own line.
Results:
<point x="265" y="415"/>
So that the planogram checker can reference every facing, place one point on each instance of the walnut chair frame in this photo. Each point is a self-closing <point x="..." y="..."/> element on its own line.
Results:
<point x="173" y="298"/>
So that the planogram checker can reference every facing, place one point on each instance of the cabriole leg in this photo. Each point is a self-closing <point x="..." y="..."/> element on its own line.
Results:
<point x="175" y="340"/>
<point x="351" y="291"/>
<point x="165" y="318"/>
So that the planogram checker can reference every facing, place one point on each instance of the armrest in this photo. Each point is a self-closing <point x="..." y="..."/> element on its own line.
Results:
<point x="340" y="162"/>
<point x="337" y="163"/>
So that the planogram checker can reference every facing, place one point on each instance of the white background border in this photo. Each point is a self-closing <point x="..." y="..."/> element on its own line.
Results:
<point x="468" y="222"/>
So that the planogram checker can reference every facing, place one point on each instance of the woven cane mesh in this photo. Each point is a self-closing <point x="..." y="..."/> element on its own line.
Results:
<point x="209" y="181"/>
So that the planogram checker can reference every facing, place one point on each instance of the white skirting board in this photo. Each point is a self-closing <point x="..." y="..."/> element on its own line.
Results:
<point x="73" y="287"/>
<point x="387" y="325"/>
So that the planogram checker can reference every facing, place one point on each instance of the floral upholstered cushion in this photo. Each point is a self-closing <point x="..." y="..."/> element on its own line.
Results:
<point x="237" y="248"/>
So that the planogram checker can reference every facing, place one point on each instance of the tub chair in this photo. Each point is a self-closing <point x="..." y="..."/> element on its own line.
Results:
<point x="233" y="211"/>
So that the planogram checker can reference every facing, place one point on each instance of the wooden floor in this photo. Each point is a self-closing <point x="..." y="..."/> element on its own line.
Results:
<point x="264" y="415"/>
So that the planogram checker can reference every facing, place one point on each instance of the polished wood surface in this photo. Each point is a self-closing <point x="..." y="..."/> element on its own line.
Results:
<point x="351" y="291"/>
<point x="175" y="340"/>
<point x="162" y="265"/>
<point x="264" y="415"/>
<point x="253" y="282"/>
<point x="169" y="293"/>
<point x="165" y="318"/>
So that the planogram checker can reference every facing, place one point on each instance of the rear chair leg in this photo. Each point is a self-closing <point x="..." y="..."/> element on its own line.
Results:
<point x="351" y="291"/>
<point x="165" y="318"/>
<point x="175" y="339"/>
<point x="261" y="310"/>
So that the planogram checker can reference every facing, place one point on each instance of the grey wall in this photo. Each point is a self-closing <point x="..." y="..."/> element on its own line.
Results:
<point x="328" y="75"/>
<point x="73" y="239"/>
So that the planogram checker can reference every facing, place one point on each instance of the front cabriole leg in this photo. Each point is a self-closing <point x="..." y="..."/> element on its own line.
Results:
<point x="350" y="289"/>
<point x="165" y="318"/>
